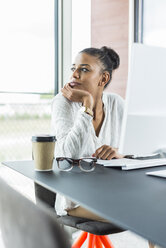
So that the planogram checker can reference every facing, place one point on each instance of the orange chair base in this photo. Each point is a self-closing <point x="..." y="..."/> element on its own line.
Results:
<point x="93" y="241"/>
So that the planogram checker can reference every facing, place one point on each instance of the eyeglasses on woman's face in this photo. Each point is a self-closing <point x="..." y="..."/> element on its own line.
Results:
<point x="85" y="164"/>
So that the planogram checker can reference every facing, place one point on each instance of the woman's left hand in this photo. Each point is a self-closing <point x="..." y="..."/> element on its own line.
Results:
<point x="107" y="152"/>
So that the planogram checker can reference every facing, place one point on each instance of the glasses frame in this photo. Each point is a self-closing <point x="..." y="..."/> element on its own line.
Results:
<point x="76" y="162"/>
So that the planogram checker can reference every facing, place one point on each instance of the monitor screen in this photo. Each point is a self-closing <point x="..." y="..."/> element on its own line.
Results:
<point x="144" y="121"/>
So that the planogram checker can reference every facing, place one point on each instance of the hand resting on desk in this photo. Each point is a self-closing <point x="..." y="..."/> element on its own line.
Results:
<point x="107" y="152"/>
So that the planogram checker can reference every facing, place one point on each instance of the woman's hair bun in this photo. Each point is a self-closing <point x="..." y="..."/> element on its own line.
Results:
<point x="113" y="56"/>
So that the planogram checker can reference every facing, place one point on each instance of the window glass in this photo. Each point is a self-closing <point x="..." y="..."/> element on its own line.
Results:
<point x="27" y="45"/>
<point x="21" y="117"/>
<point x="154" y="23"/>
<point x="27" y="67"/>
<point x="81" y="25"/>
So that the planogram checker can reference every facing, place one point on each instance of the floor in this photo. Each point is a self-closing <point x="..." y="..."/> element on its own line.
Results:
<point x="25" y="186"/>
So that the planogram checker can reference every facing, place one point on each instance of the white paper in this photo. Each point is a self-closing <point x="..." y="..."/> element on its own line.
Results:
<point x="130" y="164"/>
<point x="160" y="173"/>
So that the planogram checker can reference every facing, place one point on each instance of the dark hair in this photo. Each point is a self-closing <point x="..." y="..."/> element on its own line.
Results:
<point x="107" y="56"/>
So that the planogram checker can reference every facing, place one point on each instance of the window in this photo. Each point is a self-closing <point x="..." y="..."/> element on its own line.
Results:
<point x="39" y="40"/>
<point x="154" y="23"/>
<point x="150" y="22"/>
<point x="76" y="33"/>
<point x="81" y="26"/>
<point x="27" y="45"/>
<point x="28" y="72"/>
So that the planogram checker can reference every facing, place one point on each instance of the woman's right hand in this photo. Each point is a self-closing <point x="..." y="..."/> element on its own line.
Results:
<point x="76" y="95"/>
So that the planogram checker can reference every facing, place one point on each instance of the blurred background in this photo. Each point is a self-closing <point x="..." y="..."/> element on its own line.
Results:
<point x="38" y="42"/>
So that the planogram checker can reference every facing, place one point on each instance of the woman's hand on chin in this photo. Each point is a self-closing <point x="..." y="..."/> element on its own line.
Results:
<point x="76" y="95"/>
<point x="107" y="152"/>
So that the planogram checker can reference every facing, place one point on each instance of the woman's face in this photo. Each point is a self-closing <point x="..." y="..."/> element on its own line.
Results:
<point x="86" y="73"/>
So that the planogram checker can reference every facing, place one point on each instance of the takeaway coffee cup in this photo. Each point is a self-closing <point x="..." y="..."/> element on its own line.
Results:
<point x="43" y="151"/>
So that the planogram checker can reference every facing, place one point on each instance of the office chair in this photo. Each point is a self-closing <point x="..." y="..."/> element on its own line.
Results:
<point x="94" y="231"/>
<point x="26" y="225"/>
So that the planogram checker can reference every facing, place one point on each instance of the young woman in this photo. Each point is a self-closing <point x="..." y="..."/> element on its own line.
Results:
<point x="85" y="120"/>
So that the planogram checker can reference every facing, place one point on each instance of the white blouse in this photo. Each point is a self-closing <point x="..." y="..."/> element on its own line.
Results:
<point x="76" y="136"/>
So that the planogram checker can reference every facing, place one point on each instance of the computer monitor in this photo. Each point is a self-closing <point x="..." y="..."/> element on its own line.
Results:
<point x="144" y="122"/>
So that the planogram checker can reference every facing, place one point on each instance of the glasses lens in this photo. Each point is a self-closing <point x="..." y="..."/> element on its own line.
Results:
<point x="87" y="164"/>
<point x="65" y="164"/>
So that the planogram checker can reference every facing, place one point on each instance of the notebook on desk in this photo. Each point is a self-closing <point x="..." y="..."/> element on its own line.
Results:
<point x="130" y="164"/>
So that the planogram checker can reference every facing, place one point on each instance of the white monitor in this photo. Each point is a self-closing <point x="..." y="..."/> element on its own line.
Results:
<point x="144" y="121"/>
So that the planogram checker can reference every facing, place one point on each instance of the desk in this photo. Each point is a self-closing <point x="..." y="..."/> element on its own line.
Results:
<point x="129" y="199"/>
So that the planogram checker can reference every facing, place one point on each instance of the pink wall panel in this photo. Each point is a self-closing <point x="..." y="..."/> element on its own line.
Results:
<point x="110" y="28"/>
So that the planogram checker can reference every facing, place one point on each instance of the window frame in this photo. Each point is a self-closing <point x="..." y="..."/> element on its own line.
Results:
<point x="138" y="20"/>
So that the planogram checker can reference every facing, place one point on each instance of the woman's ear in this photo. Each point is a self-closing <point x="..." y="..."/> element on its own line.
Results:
<point x="104" y="79"/>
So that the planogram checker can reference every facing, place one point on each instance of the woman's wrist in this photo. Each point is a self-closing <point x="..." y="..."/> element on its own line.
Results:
<point x="88" y="102"/>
